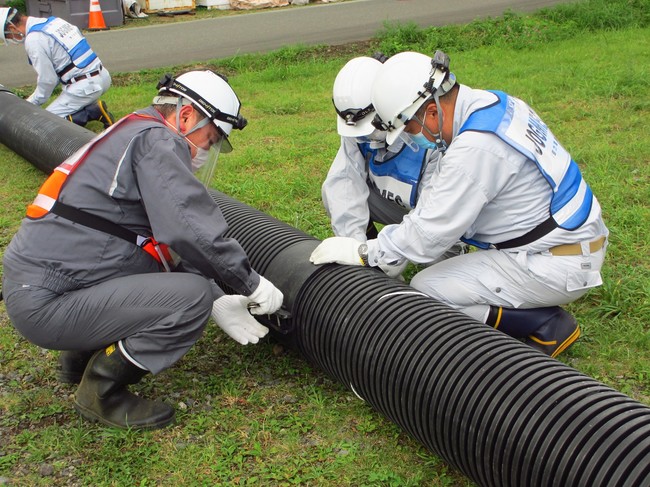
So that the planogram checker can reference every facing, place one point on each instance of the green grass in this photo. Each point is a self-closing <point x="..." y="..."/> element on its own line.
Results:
<point x="260" y="415"/>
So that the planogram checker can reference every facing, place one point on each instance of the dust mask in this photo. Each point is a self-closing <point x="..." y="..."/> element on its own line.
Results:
<point x="199" y="159"/>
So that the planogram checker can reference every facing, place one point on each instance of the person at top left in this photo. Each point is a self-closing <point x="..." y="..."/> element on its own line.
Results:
<point x="59" y="53"/>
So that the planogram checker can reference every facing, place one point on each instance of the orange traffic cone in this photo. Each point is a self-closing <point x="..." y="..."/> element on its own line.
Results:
<point x="95" y="17"/>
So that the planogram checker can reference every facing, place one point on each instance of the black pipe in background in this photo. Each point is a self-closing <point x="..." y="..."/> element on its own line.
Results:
<point x="502" y="413"/>
<point x="36" y="134"/>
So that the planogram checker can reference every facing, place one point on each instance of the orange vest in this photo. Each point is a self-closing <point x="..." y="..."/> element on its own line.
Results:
<point x="47" y="202"/>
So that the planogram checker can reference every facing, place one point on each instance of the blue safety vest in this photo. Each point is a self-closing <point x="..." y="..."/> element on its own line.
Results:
<point x="514" y="122"/>
<point x="70" y="38"/>
<point x="397" y="177"/>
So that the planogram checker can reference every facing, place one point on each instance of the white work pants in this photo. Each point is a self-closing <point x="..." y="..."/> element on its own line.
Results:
<point x="474" y="281"/>
<point x="80" y="94"/>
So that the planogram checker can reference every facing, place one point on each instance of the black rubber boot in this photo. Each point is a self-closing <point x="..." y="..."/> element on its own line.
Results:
<point x="102" y="395"/>
<point x="80" y="118"/>
<point x="99" y="111"/>
<point x="550" y="330"/>
<point x="516" y="322"/>
<point x="71" y="365"/>
<point x="557" y="333"/>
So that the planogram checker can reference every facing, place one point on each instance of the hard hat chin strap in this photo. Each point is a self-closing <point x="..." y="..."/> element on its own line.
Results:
<point x="439" y="140"/>
<point x="201" y="124"/>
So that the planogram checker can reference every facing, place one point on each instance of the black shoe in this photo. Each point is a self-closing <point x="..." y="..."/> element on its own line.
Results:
<point x="555" y="335"/>
<point x="72" y="364"/>
<point x="105" y="116"/>
<point x="103" y="396"/>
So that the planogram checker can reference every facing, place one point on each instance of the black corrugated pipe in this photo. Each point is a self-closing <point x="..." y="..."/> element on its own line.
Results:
<point x="36" y="134"/>
<point x="502" y="413"/>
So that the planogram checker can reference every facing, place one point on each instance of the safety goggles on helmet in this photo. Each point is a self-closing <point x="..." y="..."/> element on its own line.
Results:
<point x="205" y="89"/>
<point x="404" y="117"/>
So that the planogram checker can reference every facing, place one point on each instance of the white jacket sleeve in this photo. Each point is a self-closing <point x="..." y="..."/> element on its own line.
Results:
<point x="468" y="180"/>
<point x="38" y="51"/>
<point x="345" y="192"/>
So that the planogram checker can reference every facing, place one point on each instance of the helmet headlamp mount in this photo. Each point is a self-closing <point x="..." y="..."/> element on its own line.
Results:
<point x="379" y="124"/>
<point x="352" y="115"/>
<point x="440" y="77"/>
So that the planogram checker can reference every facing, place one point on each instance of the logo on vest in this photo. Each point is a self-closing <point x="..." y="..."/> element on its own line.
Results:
<point x="537" y="132"/>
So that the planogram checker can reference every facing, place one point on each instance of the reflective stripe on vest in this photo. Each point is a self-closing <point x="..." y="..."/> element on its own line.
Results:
<point x="70" y="38"/>
<point x="514" y="122"/>
<point x="47" y="201"/>
<point x="47" y="195"/>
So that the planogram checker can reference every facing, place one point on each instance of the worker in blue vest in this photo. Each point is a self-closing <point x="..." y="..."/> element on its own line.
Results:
<point x="504" y="185"/>
<point x="59" y="53"/>
<point x="370" y="181"/>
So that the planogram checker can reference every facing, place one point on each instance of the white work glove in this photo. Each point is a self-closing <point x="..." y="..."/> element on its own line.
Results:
<point x="342" y="250"/>
<point x="230" y="313"/>
<point x="266" y="299"/>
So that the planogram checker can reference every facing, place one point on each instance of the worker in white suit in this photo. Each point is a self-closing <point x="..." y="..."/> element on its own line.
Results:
<point x="59" y="53"/>
<point x="506" y="186"/>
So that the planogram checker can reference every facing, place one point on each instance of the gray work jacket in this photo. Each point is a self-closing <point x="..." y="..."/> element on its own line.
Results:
<point x="137" y="176"/>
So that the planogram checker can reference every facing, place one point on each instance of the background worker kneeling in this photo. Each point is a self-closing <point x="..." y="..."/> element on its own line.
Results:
<point x="59" y="53"/>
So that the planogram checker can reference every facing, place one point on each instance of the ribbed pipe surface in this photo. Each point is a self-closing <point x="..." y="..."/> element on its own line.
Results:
<point x="44" y="139"/>
<point x="502" y="413"/>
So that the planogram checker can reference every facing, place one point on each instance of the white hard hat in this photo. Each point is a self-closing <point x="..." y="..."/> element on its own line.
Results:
<point x="212" y="94"/>
<point x="6" y="16"/>
<point x="402" y="85"/>
<point x="351" y="96"/>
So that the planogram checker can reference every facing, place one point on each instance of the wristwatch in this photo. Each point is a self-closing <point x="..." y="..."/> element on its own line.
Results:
<point x="363" y="254"/>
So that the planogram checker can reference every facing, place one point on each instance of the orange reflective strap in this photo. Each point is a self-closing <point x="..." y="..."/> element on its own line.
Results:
<point x="49" y="192"/>
<point x="47" y="195"/>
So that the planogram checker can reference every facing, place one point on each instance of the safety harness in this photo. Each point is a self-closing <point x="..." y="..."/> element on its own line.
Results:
<point x="47" y="201"/>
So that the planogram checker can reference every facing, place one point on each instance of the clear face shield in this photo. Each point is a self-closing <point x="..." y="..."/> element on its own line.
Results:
<point x="205" y="162"/>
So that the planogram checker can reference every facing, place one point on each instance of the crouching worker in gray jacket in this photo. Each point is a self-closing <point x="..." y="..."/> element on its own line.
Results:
<point x="88" y="271"/>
